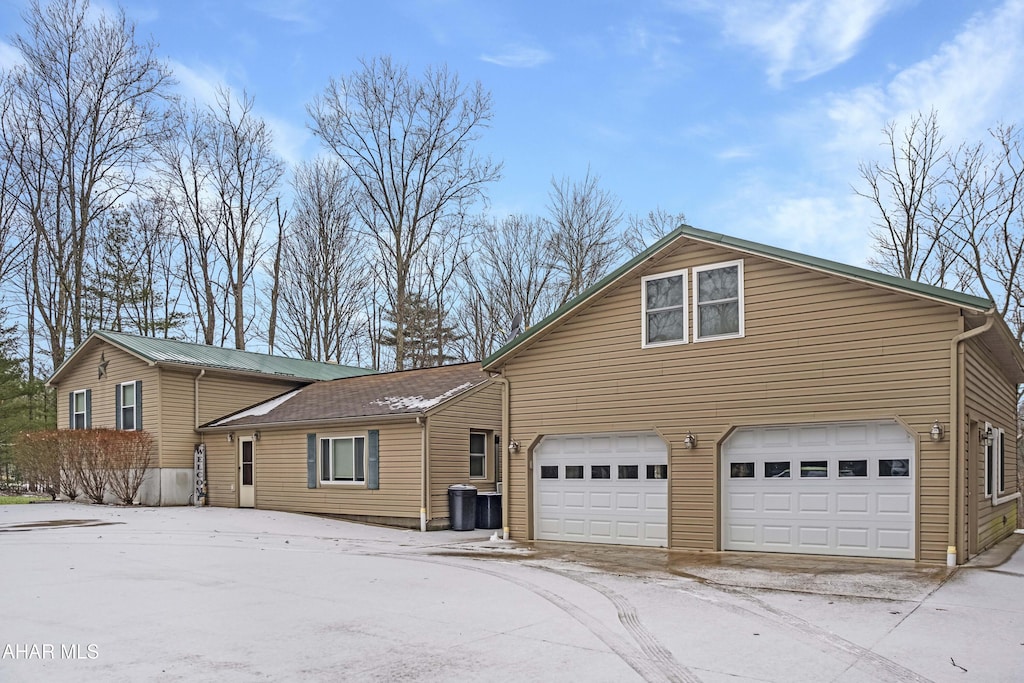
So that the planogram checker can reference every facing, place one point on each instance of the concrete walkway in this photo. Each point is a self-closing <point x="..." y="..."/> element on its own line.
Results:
<point x="178" y="594"/>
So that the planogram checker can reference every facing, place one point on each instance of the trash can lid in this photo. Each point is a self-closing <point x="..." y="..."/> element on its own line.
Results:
<point x="488" y="493"/>
<point x="461" y="487"/>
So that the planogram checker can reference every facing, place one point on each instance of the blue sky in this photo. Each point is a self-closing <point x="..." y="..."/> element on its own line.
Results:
<point x="750" y="116"/>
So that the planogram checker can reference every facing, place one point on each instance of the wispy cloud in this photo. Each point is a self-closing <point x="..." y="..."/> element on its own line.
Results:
<point x="799" y="40"/>
<point x="732" y="153"/>
<point x="200" y="83"/>
<point x="9" y="56"/>
<point x="301" y="14"/>
<point x="518" y="57"/>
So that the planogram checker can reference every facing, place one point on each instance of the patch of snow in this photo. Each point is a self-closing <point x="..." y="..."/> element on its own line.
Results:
<point x="259" y="409"/>
<point x="405" y="403"/>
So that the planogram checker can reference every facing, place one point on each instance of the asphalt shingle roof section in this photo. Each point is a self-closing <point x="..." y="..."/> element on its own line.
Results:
<point x="171" y="351"/>
<point x="863" y="274"/>
<point x="408" y="392"/>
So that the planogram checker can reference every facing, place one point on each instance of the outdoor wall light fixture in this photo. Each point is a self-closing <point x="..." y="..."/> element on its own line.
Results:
<point x="690" y="440"/>
<point x="513" y="446"/>
<point x="231" y="437"/>
<point x="937" y="431"/>
<point x="255" y="436"/>
<point x="986" y="435"/>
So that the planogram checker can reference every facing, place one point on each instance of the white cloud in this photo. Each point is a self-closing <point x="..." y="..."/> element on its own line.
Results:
<point x="199" y="84"/>
<point x="290" y="139"/>
<point x="801" y="39"/>
<point x="9" y="56"/>
<point x="519" y="57"/>
<point x="731" y="153"/>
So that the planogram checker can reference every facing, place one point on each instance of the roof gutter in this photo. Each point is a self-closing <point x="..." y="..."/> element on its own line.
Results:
<point x="308" y="423"/>
<point x="956" y="454"/>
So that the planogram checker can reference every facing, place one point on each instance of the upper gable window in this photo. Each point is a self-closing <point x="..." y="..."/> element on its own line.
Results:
<point x="718" y="301"/>
<point x="664" y="307"/>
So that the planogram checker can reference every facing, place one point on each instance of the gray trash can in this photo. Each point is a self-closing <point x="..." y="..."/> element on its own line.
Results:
<point x="488" y="510"/>
<point x="462" y="507"/>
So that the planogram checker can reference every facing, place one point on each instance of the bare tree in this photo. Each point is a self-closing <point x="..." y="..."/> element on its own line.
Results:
<point x="323" y="275"/>
<point x="246" y="171"/>
<point x="188" y="181"/>
<point x="910" y="193"/>
<point x="407" y="144"/>
<point x="79" y="116"/>
<point x="643" y="231"/>
<point x="275" y="274"/>
<point x="583" y="244"/>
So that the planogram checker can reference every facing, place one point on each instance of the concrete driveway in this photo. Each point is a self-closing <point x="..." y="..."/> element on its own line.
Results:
<point x="106" y="593"/>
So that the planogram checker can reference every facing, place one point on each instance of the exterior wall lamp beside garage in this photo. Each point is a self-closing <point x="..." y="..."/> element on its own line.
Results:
<point x="690" y="440"/>
<point x="937" y="432"/>
<point x="231" y="437"/>
<point x="513" y="446"/>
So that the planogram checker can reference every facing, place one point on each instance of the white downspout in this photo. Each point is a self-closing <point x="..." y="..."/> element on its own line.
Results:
<point x="506" y="454"/>
<point x="424" y="492"/>
<point x="956" y="490"/>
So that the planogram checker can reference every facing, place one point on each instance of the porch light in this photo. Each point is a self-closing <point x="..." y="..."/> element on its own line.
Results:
<point x="936" y="431"/>
<point x="255" y="436"/>
<point x="513" y="446"/>
<point x="231" y="437"/>
<point x="986" y="435"/>
<point x="690" y="440"/>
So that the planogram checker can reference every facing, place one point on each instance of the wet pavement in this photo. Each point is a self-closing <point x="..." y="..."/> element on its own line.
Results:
<point x="178" y="594"/>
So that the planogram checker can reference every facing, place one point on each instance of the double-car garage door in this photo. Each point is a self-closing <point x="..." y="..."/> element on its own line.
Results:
<point x="829" y="489"/>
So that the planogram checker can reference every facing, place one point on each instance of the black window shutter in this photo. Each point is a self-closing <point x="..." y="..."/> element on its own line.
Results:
<point x="311" y="461"/>
<point x="1002" y="461"/>
<point x="138" y="404"/>
<point x="117" y="407"/>
<point x="373" y="459"/>
<point x="88" y="408"/>
<point x="71" y="410"/>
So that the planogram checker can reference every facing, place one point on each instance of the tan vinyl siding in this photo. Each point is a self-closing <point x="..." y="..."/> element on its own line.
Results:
<point x="816" y="348"/>
<point x="989" y="398"/>
<point x="280" y="473"/>
<point x="121" y="367"/>
<point x="449" y="430"/>
<point x="178" y="418"/>
<point x="221" y="394"/>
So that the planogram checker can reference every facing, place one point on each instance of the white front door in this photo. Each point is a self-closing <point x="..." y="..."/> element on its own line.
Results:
<point x="246" y="474"/>
<point x="602" y="488"/>
<point x="825" y="489"/>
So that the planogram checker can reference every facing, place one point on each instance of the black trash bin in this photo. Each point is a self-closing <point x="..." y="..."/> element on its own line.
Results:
<point x="488" y="510"/>
<point x="462" y="507"/>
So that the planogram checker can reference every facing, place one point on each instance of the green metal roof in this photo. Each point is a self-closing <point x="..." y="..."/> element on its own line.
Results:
<point x="947" y="296"/>
<point x="174" y="352"/>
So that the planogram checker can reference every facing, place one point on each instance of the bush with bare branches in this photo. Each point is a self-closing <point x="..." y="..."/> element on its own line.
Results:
<point x="128" y="456"/>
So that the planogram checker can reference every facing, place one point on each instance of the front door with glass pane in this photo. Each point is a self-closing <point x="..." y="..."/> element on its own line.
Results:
<point x="246" y="474"/>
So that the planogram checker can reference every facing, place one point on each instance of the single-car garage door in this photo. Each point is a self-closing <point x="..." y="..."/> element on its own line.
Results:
<point x="602" y="488"/>
<point x="832" y="489"/>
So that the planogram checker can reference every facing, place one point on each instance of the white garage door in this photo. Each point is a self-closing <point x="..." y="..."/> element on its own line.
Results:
<point x="602" y="488"/>
<point x="836" y="489"/>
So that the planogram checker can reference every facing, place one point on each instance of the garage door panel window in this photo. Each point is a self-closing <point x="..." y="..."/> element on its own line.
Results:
<point x="549" y="472"/>
<point x="893" y="468"/>
<point x="600" y="471"/>
<point x="657" y="471"/>
<point x="741" y="470"/>
<point x="629" y="471"/>
<point x="853" y="468"/>
<point x="814" y="468"/>
<point x="574" y="471"/>
<point x="778" y="469"/>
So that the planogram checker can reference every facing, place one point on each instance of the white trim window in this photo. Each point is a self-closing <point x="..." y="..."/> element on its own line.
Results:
<point x="343" y="460"/>
<point x="127" y="406"/>
<point x="80" y="410"/>
<point x="718" y="301"/>
<point x="664" y="309"/>
<point x="995" y="462"/>
<point x="478" y="455"/>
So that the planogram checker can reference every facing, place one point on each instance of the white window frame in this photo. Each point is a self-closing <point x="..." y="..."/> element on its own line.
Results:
<point x="993" y="462"/>
<point x="472" y="455"/>
<point x="697" y="337"/>
<point x="685" y="306"/>
<point x="133" y="407"/>
<point x="84" y="412"/>
<point x="320" y="459"/>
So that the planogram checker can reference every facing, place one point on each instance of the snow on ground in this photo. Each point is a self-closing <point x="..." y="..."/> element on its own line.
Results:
<point x="223" y="594"/>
